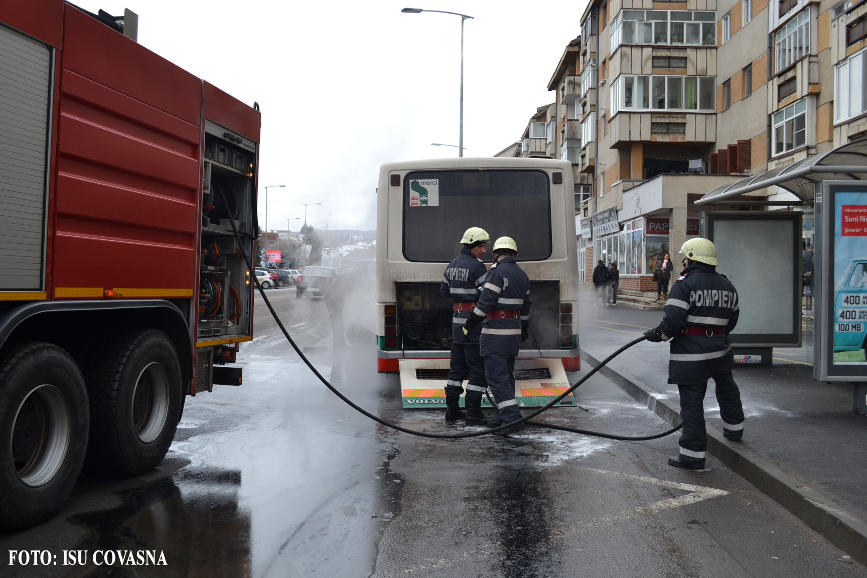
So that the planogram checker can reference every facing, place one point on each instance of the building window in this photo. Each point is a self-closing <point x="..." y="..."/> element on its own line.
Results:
<point x="748" y="80"/>
<point x="850" y="98"/>
<point x="569" y="150"/>
<point x="746" y="11"/>
<point x="790" y="127"/>
<point x="659" y="92"/>
<point x="588" y="77"/>
<point x="856" y="31"/>
<point x="664" y="28"/>
<point x="786" y="5"/>
<point x="587" y="128"/>
<point x="537" y="130"/>
<point x="668" y="128"/>
<point x="727" y="94"/>
<point x="792" y="41"/>
<point x="549" y="131"/>
<point x="786" y="89"/>
<point x="726" y="27"/>
<point x="668" y="61"/>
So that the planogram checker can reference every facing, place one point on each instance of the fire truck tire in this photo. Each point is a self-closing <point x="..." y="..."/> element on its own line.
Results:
<point x="44" y="424"/>
<point x="135" y="403"/>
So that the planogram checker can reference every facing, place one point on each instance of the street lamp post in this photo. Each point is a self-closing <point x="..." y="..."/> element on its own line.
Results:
<point x="463" y="17"/>
<point x="266" y="201"/>
<point x="305" y="212"/>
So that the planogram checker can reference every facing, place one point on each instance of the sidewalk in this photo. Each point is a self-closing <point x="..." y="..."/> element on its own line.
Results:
<point x="803" y="445"/>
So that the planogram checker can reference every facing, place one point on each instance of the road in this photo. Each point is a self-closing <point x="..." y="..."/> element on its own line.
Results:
<point x="279" y="477"/>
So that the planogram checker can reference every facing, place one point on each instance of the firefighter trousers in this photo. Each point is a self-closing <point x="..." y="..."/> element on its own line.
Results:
<point x="500" y="375"/>
<point x="693" y="439"/>
<point x="466" y="362"/>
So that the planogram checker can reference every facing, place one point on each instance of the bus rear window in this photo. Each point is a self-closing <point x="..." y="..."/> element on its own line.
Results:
<point x="438" y="206"/>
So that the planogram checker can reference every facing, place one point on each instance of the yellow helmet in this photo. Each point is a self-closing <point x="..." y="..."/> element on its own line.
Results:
<point x="701" y="250"/>
<point x="505" y="243"/>
<point x="474" y="235"/>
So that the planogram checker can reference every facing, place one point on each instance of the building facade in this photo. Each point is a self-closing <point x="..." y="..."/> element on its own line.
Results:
<point x="657" y="103"/>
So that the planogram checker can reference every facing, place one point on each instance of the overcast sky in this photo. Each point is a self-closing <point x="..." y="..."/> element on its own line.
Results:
<point x="347" y="85"/>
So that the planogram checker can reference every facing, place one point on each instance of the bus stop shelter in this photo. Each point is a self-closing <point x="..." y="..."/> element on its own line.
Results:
<point x="834" y="183"/>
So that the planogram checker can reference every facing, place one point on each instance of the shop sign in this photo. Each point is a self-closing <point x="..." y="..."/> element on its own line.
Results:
<point x="605" y="222"/>
<point x="660" y="226"/>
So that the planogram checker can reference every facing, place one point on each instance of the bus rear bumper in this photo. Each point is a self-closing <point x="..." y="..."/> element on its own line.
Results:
<point x="388" y="360"/>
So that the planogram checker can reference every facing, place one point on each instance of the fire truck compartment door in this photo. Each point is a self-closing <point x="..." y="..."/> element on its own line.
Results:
<point x="25" y="108"/>
<point x="537" y="382"/>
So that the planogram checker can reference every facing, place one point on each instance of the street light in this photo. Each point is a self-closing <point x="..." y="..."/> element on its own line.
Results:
<point x="266" y="201"/>
<point x="463" y="17"/>
<point x="305" y="212"/>
<point x="439" y="144"/>
<point x="288" y="221"/>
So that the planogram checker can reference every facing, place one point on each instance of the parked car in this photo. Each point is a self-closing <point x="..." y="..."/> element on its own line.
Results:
<point x="314" y="280"/>
<point x="264" y="278"/>
<point x="284" y="277"/>
<point x="294" y="273"/>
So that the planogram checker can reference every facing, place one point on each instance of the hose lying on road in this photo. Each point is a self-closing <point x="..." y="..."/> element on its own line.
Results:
<point x="468" y="434"/>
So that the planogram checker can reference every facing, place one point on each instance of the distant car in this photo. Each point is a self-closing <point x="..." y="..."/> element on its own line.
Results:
<point x="294" y="273"/>
<point x="284" y="277"/>
<point x="314" y="280"/>
<point x="264" y="278"/>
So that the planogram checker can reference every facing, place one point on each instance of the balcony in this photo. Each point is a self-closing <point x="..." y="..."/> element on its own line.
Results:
<point x="589" y="47"/>
<point x="587" y="158"/>
<point x="534" y="147"/>
<point x="629" y="127"/>
<point x="571" y="129"/>
<point x="572" y="89"/>
<point x="588" y="100"/>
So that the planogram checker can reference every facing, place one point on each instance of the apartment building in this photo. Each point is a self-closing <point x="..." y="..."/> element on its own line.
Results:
<point x="658" y="103"/>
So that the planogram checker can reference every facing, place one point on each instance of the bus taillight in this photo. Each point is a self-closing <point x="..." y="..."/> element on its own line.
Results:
<point x="390" y="326"/>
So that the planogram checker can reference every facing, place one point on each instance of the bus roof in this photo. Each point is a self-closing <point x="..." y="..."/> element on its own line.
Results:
<point x="478" y="163"/>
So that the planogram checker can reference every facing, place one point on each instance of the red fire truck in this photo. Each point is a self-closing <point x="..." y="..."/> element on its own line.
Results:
<point x="123" y="286"/>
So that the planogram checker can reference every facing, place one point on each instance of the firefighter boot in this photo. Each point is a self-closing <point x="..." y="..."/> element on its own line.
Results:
<point x="474" y="416"/>
<point x="453" y="407"/>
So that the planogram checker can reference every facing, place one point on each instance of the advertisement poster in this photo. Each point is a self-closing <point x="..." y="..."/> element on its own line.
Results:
<point x="850" y="278"/>
<point x="273" y="256"/>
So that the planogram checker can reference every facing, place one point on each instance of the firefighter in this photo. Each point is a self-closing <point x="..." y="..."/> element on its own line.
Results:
<point x="462" y="282"/>
<point x="701" y="311"/>
<point x="504" y="308"/>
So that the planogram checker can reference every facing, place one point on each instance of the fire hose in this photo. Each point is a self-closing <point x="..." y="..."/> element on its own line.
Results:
<point x="466" y="434"/>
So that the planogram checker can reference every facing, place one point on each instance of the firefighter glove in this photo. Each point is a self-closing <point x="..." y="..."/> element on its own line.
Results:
<point x="473" y="321"/>
<point x="525" y="330"/>
<point x="654" y="334"/>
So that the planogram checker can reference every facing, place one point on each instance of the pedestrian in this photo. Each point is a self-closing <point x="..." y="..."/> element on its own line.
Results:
<point x="462" y="281"/>
<point x="600" y="280"/>
<point x="663" y="276"/>
<point x="613" y="282"/>
<point x="504" y="308"/>
<point x="701" y="311"/>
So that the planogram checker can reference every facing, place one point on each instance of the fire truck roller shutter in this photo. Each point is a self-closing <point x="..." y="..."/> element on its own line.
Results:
<point x="136" y="396"/>
<point x="25" y="87"/>
<point x="43" y="432"/>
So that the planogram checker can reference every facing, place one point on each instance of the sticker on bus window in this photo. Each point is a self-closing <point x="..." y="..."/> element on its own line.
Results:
<point x="424" y="192"/>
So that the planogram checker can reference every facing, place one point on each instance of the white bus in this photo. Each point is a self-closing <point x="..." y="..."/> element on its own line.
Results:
<point x="423" y="208"/>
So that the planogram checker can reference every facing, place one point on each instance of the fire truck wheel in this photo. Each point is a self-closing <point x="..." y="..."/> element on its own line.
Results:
<point x="135" y="402"/>
<point x="43" y="432"/>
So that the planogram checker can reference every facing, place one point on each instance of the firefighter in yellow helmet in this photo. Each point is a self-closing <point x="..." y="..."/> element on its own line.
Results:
<point x="462" y="281"/>
<point x="701" y="310"/>
<point x="504" y="308"/>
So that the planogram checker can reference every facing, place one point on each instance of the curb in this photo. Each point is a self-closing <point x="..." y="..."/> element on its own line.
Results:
<point x="811" y="507"/>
